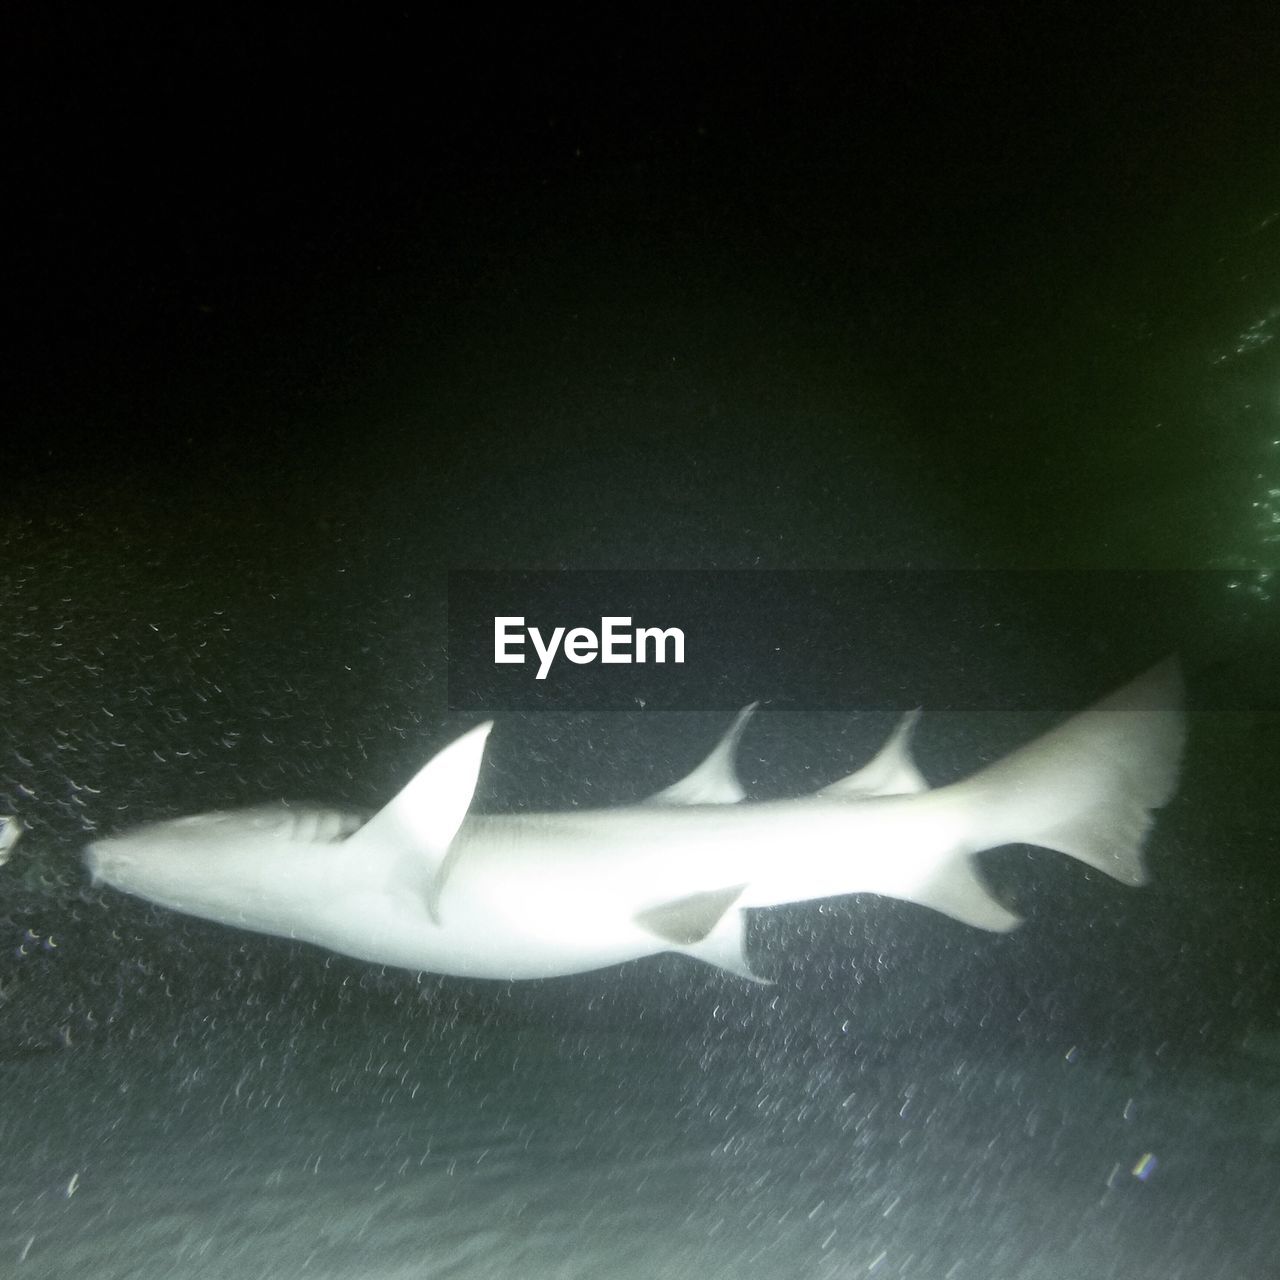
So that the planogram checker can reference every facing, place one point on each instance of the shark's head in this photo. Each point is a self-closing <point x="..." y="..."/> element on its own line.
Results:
<point x="269" y="868"/>
<point x="207" y="863"/>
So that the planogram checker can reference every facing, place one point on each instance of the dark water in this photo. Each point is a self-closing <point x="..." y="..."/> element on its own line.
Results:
<point x="542" y="1154"/>
<point x="310" y="319"/>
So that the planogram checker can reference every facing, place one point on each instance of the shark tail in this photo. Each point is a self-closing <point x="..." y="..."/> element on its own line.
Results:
<point x="1088" y="788"/>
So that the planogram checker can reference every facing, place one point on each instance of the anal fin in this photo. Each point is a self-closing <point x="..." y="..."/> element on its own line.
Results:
<point x="957" y="891"/>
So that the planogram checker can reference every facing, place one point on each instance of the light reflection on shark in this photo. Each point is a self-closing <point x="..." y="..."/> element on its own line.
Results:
<point x="426" y="885"/>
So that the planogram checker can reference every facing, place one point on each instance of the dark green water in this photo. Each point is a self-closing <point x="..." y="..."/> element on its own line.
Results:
<point x="987" y="293"/>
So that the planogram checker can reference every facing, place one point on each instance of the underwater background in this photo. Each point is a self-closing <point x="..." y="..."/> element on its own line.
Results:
<point x="311" y="315"/>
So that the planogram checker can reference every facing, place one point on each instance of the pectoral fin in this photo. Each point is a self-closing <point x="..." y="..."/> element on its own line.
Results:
<point x="419" y="825"/>
<point x="686" y="921"/>
<point x="706" y="926"/>
<point x="726" y="948"/>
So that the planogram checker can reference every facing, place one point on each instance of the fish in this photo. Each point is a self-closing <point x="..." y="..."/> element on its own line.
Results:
<point x="428" y="885"/>
<point x="11" y="830"/>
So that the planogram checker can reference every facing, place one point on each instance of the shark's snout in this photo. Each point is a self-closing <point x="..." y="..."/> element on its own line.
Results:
<point x="91" y="863"/>
<point x="99" y="862"/>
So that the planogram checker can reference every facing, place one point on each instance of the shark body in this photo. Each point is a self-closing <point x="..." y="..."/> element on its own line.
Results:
<point x="428" y="886"/>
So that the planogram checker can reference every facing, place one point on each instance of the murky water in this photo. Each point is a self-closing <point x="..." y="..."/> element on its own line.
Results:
<point x="525" y="1154"/>
<point x="982" y="296"/>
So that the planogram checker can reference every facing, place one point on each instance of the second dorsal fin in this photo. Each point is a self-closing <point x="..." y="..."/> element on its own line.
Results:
<point x="892" y="773"/>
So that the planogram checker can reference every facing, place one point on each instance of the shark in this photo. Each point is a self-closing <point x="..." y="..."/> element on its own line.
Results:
<point x="425" y="884"/>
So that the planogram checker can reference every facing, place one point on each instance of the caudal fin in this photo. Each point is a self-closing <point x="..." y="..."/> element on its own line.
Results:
<point x="1088" y="787"/>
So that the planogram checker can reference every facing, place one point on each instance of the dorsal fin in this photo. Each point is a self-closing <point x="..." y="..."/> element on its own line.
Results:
<point x="420" y="823"/>
<point x="714" y="781"/>
<point x="891" y="773"/>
